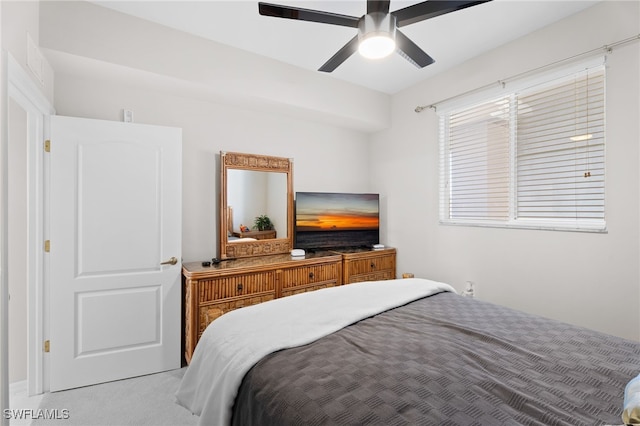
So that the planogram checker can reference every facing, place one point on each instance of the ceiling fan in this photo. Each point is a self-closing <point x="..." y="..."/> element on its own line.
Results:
<point x="378" y="33"/>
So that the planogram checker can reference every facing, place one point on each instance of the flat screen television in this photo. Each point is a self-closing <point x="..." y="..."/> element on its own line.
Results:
<point x="330" y="220"/>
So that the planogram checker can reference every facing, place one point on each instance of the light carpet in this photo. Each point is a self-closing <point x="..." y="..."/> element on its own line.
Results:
<point x="145" y="400"/>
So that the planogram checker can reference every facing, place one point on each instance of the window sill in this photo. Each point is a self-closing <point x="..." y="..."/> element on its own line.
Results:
<point x="598" y="227"/>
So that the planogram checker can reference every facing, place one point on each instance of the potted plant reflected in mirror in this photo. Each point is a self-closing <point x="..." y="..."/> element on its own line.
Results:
<point x="263" y="223"/>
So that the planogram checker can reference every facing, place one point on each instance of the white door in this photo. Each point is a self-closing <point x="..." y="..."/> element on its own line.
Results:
<point x="115" y="249"/>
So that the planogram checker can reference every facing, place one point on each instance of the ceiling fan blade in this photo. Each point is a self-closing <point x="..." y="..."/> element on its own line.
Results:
<point x="411" y="52"/>
<point x="340" y="56"/>
<point x="378" y="6"/>
<point x="268" y="9"/>
<point x="430" y="9"/>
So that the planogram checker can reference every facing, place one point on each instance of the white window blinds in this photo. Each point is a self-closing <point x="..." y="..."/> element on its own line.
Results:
<point x="529" y="158"/>
<point x="560" y="150"/>
<point x="479" y="162"/>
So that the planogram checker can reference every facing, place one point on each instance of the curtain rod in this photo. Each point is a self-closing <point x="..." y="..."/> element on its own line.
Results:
<point x="607" y="48"/>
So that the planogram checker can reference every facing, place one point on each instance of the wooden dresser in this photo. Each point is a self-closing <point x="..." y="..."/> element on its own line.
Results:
<point x="368" y="265"/>
<point x="212" y="291"/>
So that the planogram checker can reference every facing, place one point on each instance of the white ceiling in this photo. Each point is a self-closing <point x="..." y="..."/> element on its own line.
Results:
<point x="450" y="39"/>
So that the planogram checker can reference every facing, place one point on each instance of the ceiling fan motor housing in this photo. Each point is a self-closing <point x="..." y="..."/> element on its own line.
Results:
<point x="377" y="24"/>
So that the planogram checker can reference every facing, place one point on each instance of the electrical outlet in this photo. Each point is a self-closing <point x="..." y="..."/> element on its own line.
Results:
<point x="469" y="290"/>
<point x="127" y="116"/>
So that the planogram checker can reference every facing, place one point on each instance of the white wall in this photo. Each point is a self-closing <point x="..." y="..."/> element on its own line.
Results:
<point x="325" y="157"/>
<point x="239" y="77"/>
<point x="21" y="18"/>
<point x="587" y="279"/>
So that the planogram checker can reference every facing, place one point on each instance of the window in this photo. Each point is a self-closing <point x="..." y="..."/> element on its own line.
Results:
<point x="529" y="158"/>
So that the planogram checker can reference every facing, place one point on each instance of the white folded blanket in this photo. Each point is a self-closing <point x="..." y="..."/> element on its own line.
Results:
<point x="236" y="341"/>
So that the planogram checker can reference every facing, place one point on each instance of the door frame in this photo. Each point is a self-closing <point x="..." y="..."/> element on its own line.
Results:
<point x="22" y="89"/>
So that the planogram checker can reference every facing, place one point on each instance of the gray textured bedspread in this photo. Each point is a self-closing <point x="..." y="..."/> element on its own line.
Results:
<point x="444" y="360"/>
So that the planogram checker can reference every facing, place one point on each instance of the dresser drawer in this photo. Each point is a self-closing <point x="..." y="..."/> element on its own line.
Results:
<point x="212" y="311"/>
<point x="235" y="286"/>
<point x="308" y="278"/>
<point x="369" y="265"/>
<point x="372" y="265"/>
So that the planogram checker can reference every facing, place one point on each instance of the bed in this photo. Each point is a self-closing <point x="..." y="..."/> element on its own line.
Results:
<point x="408" y="351"/>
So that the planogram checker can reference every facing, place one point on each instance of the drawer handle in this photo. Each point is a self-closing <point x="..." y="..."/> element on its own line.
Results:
<point x="239" y="287"/>
<point x="311" y="276"/>
<point x="373" y="265"/>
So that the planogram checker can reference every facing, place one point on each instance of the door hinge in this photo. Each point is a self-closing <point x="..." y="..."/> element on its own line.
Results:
<point x="47" y="246"/>
<point x="47" y="145"/>
<point x="47" y="345"/>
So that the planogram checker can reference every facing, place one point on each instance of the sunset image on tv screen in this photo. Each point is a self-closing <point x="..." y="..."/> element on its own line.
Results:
<point x="346" y="212"/>
<point x="330" y="220"/>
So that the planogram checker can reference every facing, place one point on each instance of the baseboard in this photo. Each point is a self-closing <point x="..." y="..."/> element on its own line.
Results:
<point x="19" y="399"/>
<point x="18" y="388"/>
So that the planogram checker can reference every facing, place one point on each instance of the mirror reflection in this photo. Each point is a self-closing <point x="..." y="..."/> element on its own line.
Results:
<point x="256" y="205"/>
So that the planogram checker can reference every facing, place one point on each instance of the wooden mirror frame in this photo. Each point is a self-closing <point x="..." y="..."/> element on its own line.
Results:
<point x="260" y="163"/>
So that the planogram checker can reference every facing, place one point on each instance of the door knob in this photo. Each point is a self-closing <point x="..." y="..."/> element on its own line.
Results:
<point x="171" y="261"/>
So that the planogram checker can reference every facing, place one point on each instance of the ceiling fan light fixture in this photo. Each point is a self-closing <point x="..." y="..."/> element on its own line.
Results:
<point x="376" y="35"/>
<point x="376" y="46"/>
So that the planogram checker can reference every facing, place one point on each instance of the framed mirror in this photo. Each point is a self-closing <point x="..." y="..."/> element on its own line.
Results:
<point x="256" y="205"/>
